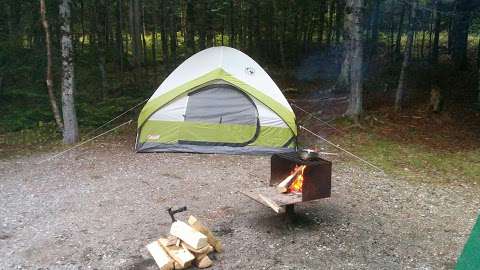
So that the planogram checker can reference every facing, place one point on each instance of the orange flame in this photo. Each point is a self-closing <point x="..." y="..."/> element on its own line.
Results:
<point x="297" y="183"/>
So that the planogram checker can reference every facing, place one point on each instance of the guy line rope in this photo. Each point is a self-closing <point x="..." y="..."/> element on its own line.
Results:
<point x="98" y="128"/>
<point x="84" y="142"/>
<point x="329" y="142"/>
<point x="115" y="118"/>
<point x="130" y="121"/>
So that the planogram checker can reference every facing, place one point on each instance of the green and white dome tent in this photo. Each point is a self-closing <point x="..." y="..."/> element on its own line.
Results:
<point x="217" y="101"/>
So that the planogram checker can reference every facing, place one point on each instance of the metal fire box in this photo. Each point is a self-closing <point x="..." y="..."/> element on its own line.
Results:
<point x="316" y="182"/>
<point x="316" y="177"/>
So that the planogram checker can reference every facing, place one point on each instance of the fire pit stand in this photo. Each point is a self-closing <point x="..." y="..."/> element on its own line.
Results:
<point x="316" y="182"/>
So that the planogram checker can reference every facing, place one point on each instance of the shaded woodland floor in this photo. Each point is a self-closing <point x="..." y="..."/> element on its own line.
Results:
<point x="100" y="205"/>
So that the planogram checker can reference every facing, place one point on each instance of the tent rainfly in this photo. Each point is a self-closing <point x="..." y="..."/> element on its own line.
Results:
<point x="217" y="101"/>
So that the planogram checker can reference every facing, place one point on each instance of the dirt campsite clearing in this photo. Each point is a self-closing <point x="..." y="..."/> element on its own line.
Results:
<point x="97" y="208"/>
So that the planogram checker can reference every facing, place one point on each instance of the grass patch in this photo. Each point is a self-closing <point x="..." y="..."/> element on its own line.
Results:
<point x="413" y="161"/>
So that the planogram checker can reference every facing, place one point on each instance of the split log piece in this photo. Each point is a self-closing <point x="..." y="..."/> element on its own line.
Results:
<point x="163" y="260"/>
<point x="207" y="248"/>
<point x="278" y="209"/>
<point x="204" y="262"/>
<point x="171" y="240"/>
<point x="188" y="234"/>
<point x="181" y="255"/>
<point x="212" y="240"/>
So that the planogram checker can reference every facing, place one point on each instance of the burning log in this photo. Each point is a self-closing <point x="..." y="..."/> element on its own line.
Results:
<point x="284" y="186"/>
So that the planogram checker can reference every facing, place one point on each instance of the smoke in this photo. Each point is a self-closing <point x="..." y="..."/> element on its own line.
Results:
<point x="320" y="65"/>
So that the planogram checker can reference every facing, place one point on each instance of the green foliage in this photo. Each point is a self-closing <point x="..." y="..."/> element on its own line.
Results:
<point x="92" y="115"/>
<point x="40" y="134"/>
<point x="23" y="96"/>
<point x="413" y="161"/>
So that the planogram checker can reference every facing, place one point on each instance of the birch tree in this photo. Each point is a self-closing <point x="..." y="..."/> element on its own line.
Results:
<point x="70" y="133"/>
<point x="49" y="76"/>
<point x="355" y="54"/>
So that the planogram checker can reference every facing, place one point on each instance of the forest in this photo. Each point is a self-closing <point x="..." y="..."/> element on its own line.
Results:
<point x="305" y="134"/>
<point x="68" y="64"/>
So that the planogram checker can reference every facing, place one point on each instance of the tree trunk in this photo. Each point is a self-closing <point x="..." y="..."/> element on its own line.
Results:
<point x="422" y="43"/>
<point x="343" y="80"/>
<point x="173" y="31"/>
<point x="232" y="25"/>
<point x="355" y="108"/>
<point x="478" y="53"/>
<point x="281" y="42"/>
<point x="375" y="23"/>
<point x="119" y="36"/>
<point x="436" y="35"/>
<point x="82" y="21"/>
<point x="190" y="28"/>
<point x="241" y="26"/>
<point x="49" y="78"/>
<point x="339" y="13"/>
<point x="478" y="95"/>
<point x="460" y="32"/>
<point x="321" y="23"/>
<point x="222" y="33"/>
<point x="406" y="59"/>
<point x="70" y="133"/>
<point x="164" y="34"/>
<point x="134" y="21"/>
<point x="450" y="35"/>
<point x="154" y="45"/>
<point x="202" y="27"/>
<point x="143" y="36"/>
<point x="398" y="43"/>
<point x="100" y="43"/>
<point x="330" y="22"/>
<point x="431" y="24"/>
<point x="392" y="34"/>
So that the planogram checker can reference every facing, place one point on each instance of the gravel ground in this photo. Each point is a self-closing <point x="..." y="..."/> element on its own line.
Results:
<point x="98" y="207"/>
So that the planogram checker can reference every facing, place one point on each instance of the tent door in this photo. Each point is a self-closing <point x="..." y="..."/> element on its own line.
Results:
<point x="219" y="115"/>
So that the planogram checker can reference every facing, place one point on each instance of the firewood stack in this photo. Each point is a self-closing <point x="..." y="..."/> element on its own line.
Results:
<point x="186" y="244"/>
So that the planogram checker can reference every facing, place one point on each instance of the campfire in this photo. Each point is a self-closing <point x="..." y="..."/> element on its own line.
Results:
<point x="294" y="181"/>
<point x="295" y="177"/>
<point x="185" y="245"/>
